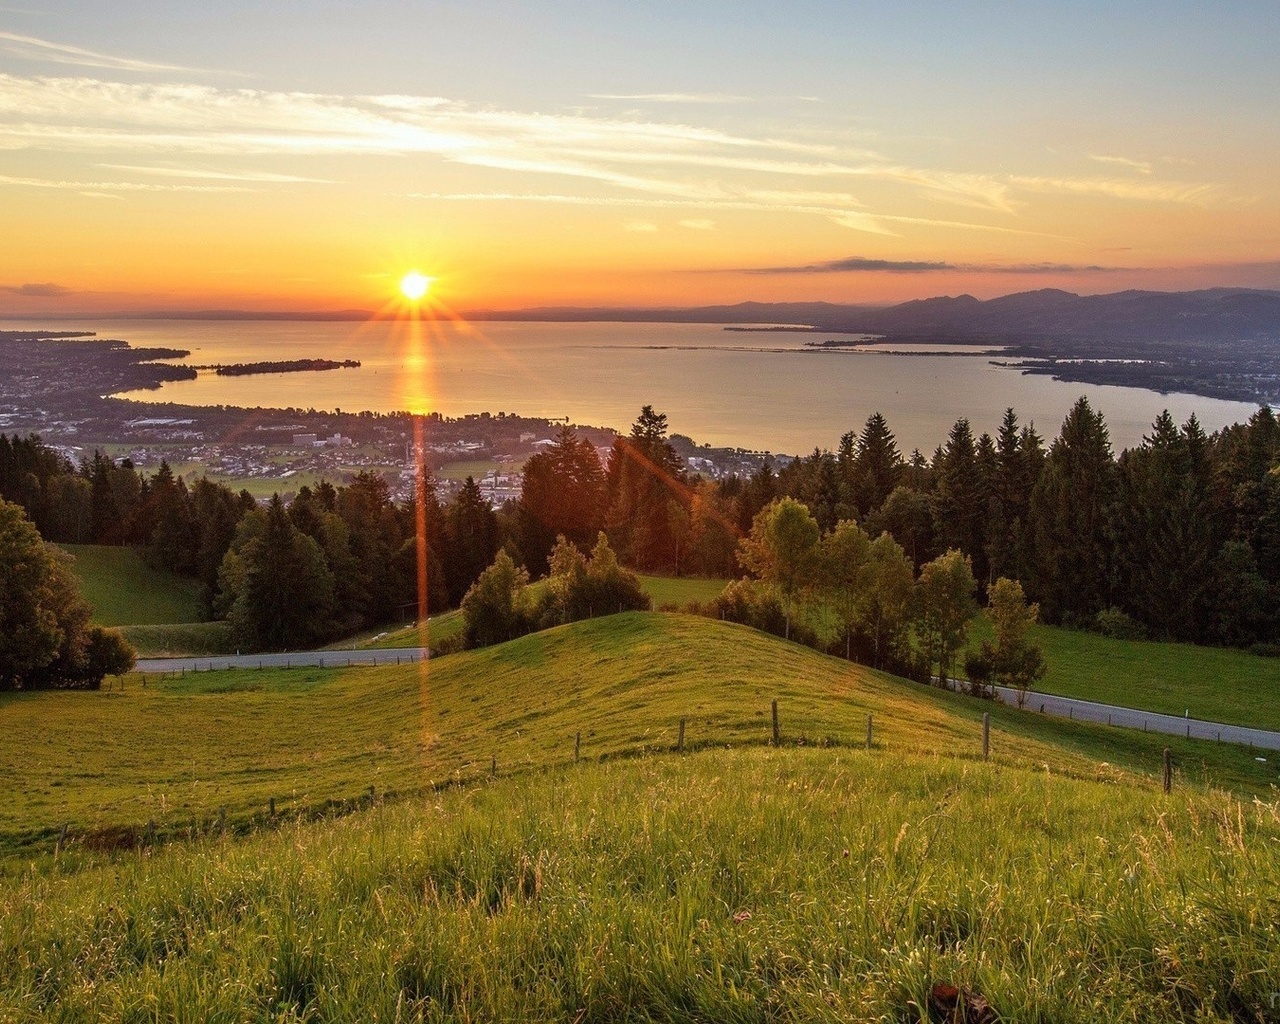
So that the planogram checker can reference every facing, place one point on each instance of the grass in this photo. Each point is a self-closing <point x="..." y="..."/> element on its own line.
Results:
<point x="1214" y="683"/>
<point x="476" y="468"/>
<point x="752" y="886"/>
<point x="124" y="591"/>
<point x="180" y="750"/>
<point x="679" y="591"/>
<point x="188" y="639"/>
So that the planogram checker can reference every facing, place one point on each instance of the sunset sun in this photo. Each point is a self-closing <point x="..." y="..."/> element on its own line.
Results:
<point x="414" y="285"/>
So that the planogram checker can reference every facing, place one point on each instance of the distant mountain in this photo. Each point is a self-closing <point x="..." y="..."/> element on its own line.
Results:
<point x="1049" y="314"/>
<point x="1043" y="315"/>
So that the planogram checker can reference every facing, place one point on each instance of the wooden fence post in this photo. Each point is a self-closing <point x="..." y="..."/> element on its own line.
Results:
<point x="868" y="732"/>
<point x="493" y="768"/>
<point x="222" y="821"/>
<point x="1168" y="771"/>
<point x="577" y="746"/>
<point x="986" y="735"/>
<point x="373" y="796"/>
<point x="777" y="731"/>
<point x="271" y="808"/>
<point x="680" y="741"/>
<point x="62" y="841"/>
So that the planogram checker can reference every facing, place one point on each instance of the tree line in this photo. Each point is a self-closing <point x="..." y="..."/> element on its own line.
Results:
<point x="1177" y="538"/>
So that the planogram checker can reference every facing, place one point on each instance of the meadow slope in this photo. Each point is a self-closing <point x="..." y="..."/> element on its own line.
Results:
<point x="750" y="885"/>
<point x="182" y="751"/>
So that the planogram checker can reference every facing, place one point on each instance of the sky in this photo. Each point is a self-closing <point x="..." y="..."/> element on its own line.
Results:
<point x="305" y="155"/>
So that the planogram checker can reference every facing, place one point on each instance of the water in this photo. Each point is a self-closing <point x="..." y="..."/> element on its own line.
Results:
<point x="766" y="391"/>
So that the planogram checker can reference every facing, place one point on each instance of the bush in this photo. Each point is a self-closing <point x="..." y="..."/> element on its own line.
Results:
<point x="1265" y="650"/>
<point x="1119" y="625"/>
<point x="497" y="605"/>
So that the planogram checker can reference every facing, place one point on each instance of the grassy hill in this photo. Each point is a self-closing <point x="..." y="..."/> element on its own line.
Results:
<point x="750" y="885"/>
<point x="181" y="750"/>
<point x="124" y="591"/>
<point x="813" y="881"/>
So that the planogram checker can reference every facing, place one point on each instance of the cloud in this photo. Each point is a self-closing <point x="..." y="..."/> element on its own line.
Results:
<point x="671" y="97"/>
<point x="1141" y="166"/>
<point x="265" y="177"/>
<point x="698" y="224"/>
<point x="114" y="186"/>
<point x="1182" y="192"/>
<point x="44" y="290"/>
<point x="147" y="130"/>
<point x="864" y="264"/>
<point x="640" y="226"/>
<point x="31" y="48"/>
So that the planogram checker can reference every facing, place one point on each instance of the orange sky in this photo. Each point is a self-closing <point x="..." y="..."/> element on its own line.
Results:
<point x="155" y="166"/>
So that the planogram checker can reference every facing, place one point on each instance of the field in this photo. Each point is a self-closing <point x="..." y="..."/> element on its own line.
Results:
<point x="180" y="751"/>
<point x="679" y="591"/>
<point x="1213" y="683"/>
<point x="124" y="591"/>
<point x="817" y="880"/>
<point x="754" y="885"/>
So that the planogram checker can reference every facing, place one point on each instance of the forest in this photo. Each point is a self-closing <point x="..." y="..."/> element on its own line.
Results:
<point x="1177" y="538"/>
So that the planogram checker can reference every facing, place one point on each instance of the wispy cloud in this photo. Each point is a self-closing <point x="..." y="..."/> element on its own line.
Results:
<point x="1182" y="192"/>
<point x="262" y="177"/>
<point x="1141" y="166"/>
<point x="31" y="48"/>
<point x="45" y="290"/>
<point x="698" y="224"/>
<point x="643" y="227"/>
<point x="114" y="186"/>
<point x="628" y="158"/>
<point x="863" y="264"/>
<point x="671" y="97"/>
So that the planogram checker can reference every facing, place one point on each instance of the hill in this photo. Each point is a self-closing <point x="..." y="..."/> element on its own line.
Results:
<point x="124" y="591"/>
<point x="181" y="751"/>
<point x="816" y="880"/>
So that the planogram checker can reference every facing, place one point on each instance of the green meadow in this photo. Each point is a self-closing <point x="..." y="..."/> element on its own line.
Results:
<point x="601" y="874"/>
<point x="178" y="752"/>
<point x="123" y="590"/>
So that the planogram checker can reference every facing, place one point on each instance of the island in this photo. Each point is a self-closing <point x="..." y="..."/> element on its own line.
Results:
<point x="280" y="366"/>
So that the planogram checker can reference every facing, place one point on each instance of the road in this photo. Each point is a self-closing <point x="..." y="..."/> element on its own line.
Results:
<point x="295" y="659"/>
<point x="1042" y="703"/>
<point x="1149" y="721"/>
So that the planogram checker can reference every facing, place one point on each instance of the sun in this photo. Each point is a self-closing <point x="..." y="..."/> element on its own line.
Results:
<point x="415" y="285"/>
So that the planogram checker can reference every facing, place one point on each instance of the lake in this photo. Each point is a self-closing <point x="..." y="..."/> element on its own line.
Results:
<point x="766" y="391"/>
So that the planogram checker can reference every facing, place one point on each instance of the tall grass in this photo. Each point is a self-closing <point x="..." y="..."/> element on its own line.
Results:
<point x="726" y="885"/>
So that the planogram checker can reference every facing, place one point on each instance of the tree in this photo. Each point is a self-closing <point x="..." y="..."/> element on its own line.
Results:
<point x="908" y="516"/>
<point x="45" y="636"/>
<point x="562" y="493"/>
<point x="782" y="549"/>
<point x="496" y="607"/>
<point x="886" y="604"/>
<point x="845" y="552"/>
<point x="1015" y="661"/>
<point x="643" y="475"/>
<point x="471" y="538"/>
<point x="945" y="596"/>
<point x="877" y="466"/>
<point x="276" y="588"/>
<point x="1071" y="509"/>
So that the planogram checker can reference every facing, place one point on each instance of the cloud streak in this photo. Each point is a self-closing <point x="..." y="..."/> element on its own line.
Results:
<point x="671" y="97"/>
<point x="863" y="264"/>
<point x="32" y="48"/>
<point x="661" y="161"/>
<point x="45" y="290"/>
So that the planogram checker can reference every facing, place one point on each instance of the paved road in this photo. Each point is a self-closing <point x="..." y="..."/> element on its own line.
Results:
<point x="297" y="659"/>
<point x="1150" y="721"/>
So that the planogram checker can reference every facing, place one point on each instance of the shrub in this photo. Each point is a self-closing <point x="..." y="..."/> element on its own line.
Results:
<point x="1119" y="625"/>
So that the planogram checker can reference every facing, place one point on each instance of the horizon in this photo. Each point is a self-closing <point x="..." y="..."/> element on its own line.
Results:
<point x="597" y="156"/>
